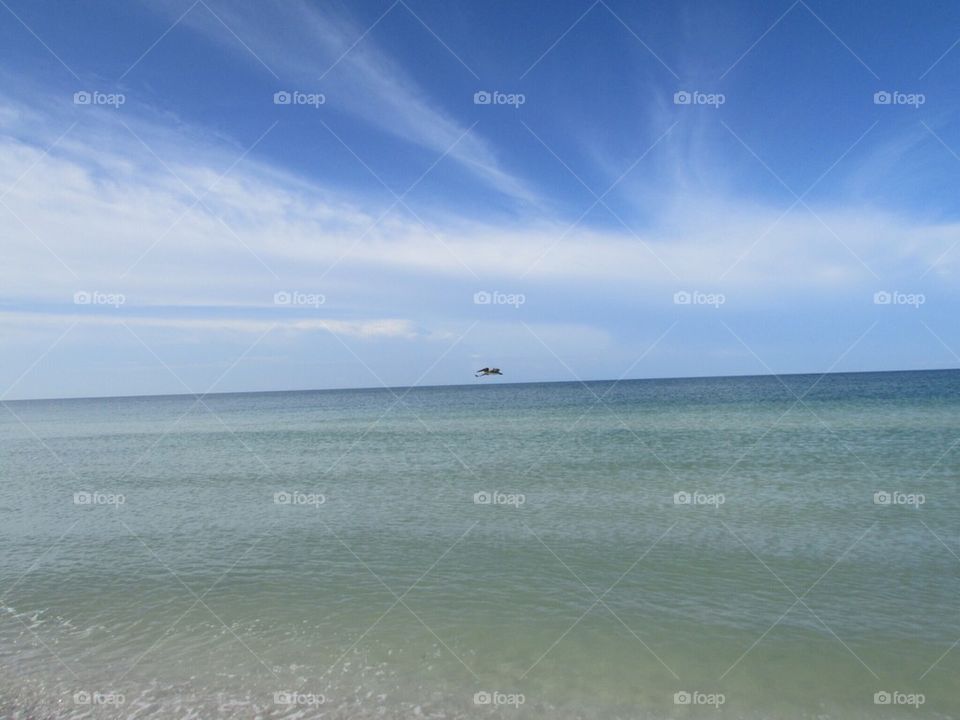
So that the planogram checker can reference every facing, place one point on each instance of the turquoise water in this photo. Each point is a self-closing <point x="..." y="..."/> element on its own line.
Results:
<point x="387" y="587"/>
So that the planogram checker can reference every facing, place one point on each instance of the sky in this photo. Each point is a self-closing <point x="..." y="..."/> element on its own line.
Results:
<point x="209" y="196"/>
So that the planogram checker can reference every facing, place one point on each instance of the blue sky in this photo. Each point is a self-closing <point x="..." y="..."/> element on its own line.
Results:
<point x="167" y="226"/>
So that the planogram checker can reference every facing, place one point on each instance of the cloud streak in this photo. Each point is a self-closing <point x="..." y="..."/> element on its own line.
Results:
<point x="106" y="207"/>
<point x="381" y="328"/>
<point x="328" y="52"/>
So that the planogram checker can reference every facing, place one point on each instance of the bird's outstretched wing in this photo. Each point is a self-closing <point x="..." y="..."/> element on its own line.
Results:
<point x="488" y="371"/>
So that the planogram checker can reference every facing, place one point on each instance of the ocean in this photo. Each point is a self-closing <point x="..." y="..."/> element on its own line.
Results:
<point x="748" y="547"/>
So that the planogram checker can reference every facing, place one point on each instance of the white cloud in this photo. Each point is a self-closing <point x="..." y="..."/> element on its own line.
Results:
<point x="387" y="328"/>
<point x="120" y="222"/>
<point x="327" y="52"/>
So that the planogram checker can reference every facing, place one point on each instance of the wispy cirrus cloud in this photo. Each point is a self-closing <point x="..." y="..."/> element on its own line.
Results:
<point x="126" y="204"/>
<point x="380" y="328"/>
<point x="327" y="50"/>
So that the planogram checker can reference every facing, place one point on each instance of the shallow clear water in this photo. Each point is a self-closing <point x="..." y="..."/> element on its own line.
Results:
<point x="585" y="588"/>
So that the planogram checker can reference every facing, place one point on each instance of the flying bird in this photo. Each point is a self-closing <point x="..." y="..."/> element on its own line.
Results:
<point x="488" y="371"/>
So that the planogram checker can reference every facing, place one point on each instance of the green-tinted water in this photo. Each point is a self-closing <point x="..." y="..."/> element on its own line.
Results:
<point x="718" y="536"/>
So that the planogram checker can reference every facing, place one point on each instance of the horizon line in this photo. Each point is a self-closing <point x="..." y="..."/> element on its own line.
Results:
<point x="474" y="384"/>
